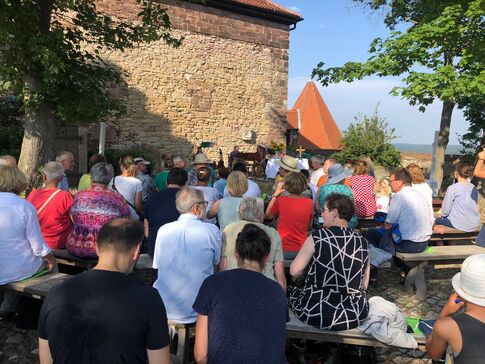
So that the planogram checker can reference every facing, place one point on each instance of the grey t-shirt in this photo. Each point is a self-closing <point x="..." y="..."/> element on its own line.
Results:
<point x="460" y="205"/>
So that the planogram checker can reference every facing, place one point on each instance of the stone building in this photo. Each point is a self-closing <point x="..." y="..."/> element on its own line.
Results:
<point x="227" y="83"/>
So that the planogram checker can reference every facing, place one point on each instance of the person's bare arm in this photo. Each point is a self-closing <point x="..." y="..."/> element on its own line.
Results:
<point x="51" y="261"/>
<point x="45" y="356"/>
<point x="201" y="339"/>
<point x="160" y="356"/>
<point x="304" y="256"/>
<point x="223" y="264"/>
<point x="479" y="171"/>
<point x="278" y="191"/>
<point x="445" y="331"/>
<point x="145" y="227"/>
<point x="317" y="202"/>
<point x="214" y="209"/>
<point x="387" y="226"/>
<point x="367" y="275"/>
<point x="138" y="204"/>
<point x="279" y="273"/>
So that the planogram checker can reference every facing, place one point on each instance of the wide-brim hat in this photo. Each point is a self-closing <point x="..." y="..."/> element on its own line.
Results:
<point x="289" y="163"/>
<point x="201" y="158"/>
<point x="337" y="173"/>
<point x="469" y="284"/>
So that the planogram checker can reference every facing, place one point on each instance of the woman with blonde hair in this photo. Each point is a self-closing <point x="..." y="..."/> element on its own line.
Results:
<point x="128" y="185"/>
<point x="227" y="208"/>
<point x="418" y="184"/>
<point x="23" y="251"/>
<point x="383" y="197"/>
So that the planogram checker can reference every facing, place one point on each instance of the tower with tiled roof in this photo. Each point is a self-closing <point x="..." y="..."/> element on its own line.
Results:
<point x="310" y="123"/>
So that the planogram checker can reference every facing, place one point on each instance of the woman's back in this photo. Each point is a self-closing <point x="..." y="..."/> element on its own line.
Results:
<point x="460" y="205"/>
<point x="228" y="211"/>
<point x="472" y="334"/>
<point x="362" y="186"/>
<point x="333" y="296"/>
<point x="127" y="187"/>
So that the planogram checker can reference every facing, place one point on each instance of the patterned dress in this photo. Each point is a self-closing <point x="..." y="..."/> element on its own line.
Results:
<point x="338" y="189"/>
<point x="362" y="186"/>
<point x="92" y="209"/>
<point x="333" y="296"/>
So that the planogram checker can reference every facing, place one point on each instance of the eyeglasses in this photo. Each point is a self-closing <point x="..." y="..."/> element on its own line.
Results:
<point x="205" y="203"/>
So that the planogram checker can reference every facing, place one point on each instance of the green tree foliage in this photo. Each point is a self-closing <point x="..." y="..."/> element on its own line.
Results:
<point x="370" y="136"/>
<point x="50" y="57"/>
<point x="438" y="46"/>
<point x="474" y="138"/>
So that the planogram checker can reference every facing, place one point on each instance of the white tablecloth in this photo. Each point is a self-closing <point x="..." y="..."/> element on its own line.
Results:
<point x="273" y="167"/>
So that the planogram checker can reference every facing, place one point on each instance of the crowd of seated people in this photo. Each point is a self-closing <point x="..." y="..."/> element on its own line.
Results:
<point x="214" y="251"/>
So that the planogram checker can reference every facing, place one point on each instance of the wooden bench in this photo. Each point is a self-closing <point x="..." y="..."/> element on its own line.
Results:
<point x="299" y="330"/>
<point x="437" y="255"/>
<point x="453" y="234"/>
<point x="36" y="287"/>
<point x="63" y="257"/>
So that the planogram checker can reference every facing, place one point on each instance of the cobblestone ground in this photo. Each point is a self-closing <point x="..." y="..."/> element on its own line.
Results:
<point x="20" y="346"/>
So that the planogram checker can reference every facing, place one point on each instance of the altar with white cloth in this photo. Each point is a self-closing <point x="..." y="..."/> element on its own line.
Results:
<point x="272" y="167"/>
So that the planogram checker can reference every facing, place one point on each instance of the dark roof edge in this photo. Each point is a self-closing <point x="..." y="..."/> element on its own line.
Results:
<point x="253" y="11"/>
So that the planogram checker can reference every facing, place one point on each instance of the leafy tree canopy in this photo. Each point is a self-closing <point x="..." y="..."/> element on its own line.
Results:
<point x="57" y="43"/>
<point x="369" y="136"/>
<point x="440" y="53"/>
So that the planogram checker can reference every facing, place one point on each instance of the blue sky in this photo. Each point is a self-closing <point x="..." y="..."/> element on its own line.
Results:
<point x="337" y="31"/>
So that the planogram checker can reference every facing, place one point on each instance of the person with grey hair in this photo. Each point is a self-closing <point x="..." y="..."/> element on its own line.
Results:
<point x="53" y="206"/>
<point x="66" y="158"/>
<point x="251" y="210"/>
<point x="160" y="179"/>
<point x="91" y="209"/>
<point x="316" y="165"/>
<point x="8" y="160"/>
<point x="186" y="252"/>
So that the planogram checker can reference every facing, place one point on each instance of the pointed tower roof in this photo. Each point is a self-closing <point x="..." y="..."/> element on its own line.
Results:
<point x="318" y="128"/>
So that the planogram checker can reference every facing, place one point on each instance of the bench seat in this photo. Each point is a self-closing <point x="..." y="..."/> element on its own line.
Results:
<point x="454" y="234"/>
<point x="299" y="330"/>
<point x="435" y="255"/>
<point x="36" y="287"/>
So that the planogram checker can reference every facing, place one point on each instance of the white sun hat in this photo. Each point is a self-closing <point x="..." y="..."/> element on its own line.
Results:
<point x="469" y="284"/>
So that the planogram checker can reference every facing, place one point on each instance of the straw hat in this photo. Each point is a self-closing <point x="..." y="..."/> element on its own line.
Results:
<point x="470" y="282"/>
<point x="289" y="163"/>
<point x="201" y="158"/>
<point x="337" y="173"/>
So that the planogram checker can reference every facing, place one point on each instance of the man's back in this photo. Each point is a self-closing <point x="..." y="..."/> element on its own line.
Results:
<point x="103" y="316"/>
<point x="186" y="252"/>
<point x="160" y="210"/>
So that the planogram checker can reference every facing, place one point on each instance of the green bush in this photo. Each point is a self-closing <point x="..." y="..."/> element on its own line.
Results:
<point x="369" y="136"/>
<point x="11" y="129"/>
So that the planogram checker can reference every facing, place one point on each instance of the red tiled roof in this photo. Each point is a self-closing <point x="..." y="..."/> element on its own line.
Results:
<point x="268" y="5"/>
<point x="318" y="128"/>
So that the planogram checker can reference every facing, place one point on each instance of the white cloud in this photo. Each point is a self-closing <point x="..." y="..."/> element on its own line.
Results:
<point x="346" y="100"/>
<point x="295" y="9"/>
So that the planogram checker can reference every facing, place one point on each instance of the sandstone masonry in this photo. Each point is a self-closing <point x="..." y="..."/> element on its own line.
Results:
<point x="226" y="83"/>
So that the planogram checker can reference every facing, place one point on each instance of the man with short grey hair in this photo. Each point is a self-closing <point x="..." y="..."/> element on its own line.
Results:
<point x="317" y="171"/>
<point x="8" y="160"/>
<point x="251" y="210"/>
<point x="66" y="158"/>
<point x="186" y="252"/>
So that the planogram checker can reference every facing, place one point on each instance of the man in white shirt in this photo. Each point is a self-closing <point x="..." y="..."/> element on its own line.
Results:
<point x="186" y="252"/>
<point x="316" y="165"/>
<point x="67" y="160"/>
<point x="253" y="187"/>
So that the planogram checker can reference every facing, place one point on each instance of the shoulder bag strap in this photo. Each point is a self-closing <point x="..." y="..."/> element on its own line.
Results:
<point x="129" y="204"/>
<point x="48" y="200"/>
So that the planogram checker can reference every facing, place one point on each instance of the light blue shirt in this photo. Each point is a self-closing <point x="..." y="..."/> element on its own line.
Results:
<point x="411" y="211"/>
<point x="460" y="205"/>
<point x="220" y="185"/>
<point x="63" y="183"/>
<point x="186" y="252"/>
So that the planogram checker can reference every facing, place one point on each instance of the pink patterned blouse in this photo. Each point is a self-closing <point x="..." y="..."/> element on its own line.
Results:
<point x="92" y="208"/>
<point x="362" y="186"/>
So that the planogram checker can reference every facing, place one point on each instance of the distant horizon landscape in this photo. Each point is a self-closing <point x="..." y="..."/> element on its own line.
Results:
<point x="426" y="148"/>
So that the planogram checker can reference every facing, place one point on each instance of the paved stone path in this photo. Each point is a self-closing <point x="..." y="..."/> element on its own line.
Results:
<point x="20" y="346"/>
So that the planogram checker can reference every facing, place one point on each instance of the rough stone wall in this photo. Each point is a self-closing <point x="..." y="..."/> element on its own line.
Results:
<point x="227" y="80"/>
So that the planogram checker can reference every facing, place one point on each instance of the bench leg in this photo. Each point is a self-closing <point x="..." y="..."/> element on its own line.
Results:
<point x="416" y="277"/>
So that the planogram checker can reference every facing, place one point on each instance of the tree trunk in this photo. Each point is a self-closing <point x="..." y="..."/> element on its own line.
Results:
<point x="443" y="138"/>
<point x="39" y="135"/>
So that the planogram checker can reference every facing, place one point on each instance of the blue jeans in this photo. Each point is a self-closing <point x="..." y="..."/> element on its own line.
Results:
<point x="405" y="246"/>
<point x="444" y="221"/>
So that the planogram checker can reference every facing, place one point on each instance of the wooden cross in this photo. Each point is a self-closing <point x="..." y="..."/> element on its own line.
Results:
<point x="300" y="151"/>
